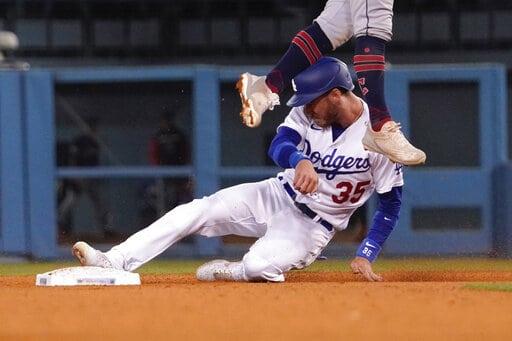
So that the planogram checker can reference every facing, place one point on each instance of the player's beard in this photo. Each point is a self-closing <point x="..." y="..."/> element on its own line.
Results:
<point x="329" y="118"/>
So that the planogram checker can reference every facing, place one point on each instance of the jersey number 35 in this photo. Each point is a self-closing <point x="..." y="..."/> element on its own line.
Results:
<point x="346" y="192"/>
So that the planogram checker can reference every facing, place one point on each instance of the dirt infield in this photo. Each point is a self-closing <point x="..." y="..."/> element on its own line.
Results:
<point x="418" y="305"/>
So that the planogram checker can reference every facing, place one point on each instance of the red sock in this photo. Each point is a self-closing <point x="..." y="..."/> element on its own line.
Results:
<point x="377" y="125"/>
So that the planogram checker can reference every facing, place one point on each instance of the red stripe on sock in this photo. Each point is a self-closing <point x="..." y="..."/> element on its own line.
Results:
<point x="372" y="58"/>
<point x="369" y="67"/>
<point x="308" y="47"/>
<point x="302" y="45"/>
<point x="311" y="43"/>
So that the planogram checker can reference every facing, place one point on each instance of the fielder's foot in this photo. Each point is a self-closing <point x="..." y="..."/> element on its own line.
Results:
<point x="256" y="98"/>
<point x="390" y="141"/>
<point x="89" y="256"/>
<point x="220" y="270"/>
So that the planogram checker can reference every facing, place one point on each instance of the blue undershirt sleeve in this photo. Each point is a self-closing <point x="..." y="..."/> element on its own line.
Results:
<point x="384" y="221"/>
<point x="283" y="149"/>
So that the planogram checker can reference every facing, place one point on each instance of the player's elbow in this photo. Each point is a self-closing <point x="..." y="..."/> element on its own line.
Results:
<point x="390" y="202"/>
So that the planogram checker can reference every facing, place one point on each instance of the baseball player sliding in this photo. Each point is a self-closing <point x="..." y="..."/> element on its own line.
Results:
<point x="328" y="174"/>
<point x="370" y="22"/>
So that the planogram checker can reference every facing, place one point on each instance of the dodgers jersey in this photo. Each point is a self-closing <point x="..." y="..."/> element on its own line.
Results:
<point x="348" y="174"/>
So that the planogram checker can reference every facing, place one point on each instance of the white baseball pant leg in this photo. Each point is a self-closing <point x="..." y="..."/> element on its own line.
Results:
<point x="372" y="18"/>
<point x="241" y="210"/>
<point x="292" y="241"/>
<point x="342" y="19"/>
<point x="336" y="22"/>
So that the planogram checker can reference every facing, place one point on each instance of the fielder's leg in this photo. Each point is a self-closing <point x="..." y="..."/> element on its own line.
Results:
<point x="373" y="29"/>
<point x="331" y="29"/>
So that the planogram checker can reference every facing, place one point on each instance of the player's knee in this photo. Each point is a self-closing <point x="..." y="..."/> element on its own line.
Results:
<point x="190" y="218"/>
<point x="215" y="210"/>
<point x="257" y="268"/>
<point x="338" y="34"/>
<point x="382" y="30"/>
<point x="210" y="209"/>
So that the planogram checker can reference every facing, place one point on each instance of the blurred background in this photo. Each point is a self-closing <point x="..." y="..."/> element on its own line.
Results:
<point x="114" y="112"/>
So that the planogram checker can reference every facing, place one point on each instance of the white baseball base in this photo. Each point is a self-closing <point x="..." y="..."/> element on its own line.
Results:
<point x="87" y="275"/>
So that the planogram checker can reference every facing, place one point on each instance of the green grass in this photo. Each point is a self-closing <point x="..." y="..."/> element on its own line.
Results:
<point x="189" y="266"/>
<point x="32" y="268"/>
<point x="504" y="286"/>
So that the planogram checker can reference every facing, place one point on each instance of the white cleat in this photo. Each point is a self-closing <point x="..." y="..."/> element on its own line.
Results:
<point x="220" y="270"/>
<point x="390" y="141"/>
<point x="207" y="271"/>
<point x="256" y="98"/>
<point x="89" y="256"/>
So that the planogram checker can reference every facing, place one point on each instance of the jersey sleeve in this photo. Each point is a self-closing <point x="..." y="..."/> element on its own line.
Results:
<point x="386" y="173"/>
<point x="297" y="121"/>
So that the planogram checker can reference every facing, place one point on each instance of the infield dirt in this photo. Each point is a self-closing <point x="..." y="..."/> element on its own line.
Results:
<point x="417" y="305"/>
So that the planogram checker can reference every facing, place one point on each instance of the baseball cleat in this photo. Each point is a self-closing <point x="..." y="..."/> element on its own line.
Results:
<point x="220" y="270"/>
<point x="89" y="256"/>
<point x="256" y="98"/>
<point x="390" y="141"/>
<point x="207" y="271"/>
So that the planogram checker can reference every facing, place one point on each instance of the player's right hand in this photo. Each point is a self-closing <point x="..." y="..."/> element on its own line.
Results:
<point x="306" y="178"/>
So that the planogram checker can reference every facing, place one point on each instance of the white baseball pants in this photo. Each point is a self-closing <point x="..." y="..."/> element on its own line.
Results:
<point x="287" y="238"/>
<point x="342" y="19"/>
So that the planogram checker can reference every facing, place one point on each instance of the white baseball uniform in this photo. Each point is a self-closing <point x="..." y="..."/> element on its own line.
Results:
<point x="288" y="238"/>
<point x="342" y="19"/>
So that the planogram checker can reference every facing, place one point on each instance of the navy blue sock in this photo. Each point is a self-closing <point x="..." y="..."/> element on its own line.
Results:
<point x="305" y="49"/>
<point x="369" y="63"/>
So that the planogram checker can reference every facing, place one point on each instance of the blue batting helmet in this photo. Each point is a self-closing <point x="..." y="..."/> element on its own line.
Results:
<point x="326" y="74"/>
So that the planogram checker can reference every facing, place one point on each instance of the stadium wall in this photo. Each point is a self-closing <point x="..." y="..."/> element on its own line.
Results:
<point x="455" y="112"/>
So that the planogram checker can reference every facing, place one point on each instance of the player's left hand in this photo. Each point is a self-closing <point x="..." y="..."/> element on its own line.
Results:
<point x="363" y="266"/>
